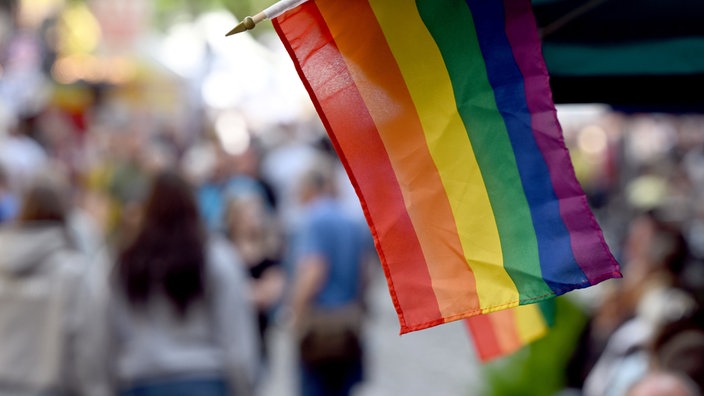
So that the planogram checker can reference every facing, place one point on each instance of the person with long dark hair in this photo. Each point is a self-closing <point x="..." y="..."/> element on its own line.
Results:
<point x="182" y="320"/>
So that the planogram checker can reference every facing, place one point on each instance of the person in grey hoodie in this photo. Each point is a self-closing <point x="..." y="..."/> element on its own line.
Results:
<point x="51" y="320"/>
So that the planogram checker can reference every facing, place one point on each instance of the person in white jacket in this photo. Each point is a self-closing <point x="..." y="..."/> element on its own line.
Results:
<point x="51" y="320"/>
<point x="182" y="322"/>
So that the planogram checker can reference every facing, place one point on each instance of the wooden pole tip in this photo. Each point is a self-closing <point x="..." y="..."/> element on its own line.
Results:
<point x="246" y="24"/>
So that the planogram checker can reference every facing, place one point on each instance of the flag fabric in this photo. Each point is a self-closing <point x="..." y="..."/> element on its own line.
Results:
<point x="440" y="111"/>
<point x="501" y="333"/>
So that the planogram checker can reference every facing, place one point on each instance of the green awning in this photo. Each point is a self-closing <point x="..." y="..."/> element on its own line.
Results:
<point x="634" y="53"/>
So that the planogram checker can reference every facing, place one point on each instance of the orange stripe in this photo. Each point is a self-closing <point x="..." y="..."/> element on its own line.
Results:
<point x="374" y="69"/>
<point x="506" y="330"/>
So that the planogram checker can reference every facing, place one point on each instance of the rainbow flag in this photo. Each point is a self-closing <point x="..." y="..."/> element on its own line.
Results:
<point x="441" y="112"/>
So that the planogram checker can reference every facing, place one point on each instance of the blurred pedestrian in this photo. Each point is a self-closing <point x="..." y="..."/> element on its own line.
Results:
<point x="21" y="155"/>
<point x="678" y="348"/>
<point x="648" y="298"/>
<point x="9" y="205"/>
<point x="283" y="165"/>
<point x="50" y="321"/>
<point x="182" y="322"/>
<point x="223" y="181"/>
<point x="327" y="292"/>
<point x="249" y="163"/>
<point x="253" y="229"/>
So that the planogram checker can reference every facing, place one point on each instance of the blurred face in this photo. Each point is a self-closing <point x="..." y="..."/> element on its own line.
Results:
<point x="241" y="218"/>
<point x="660" y="384"/>
<point x="247" y="163"/>
<point x="640" y="235"/>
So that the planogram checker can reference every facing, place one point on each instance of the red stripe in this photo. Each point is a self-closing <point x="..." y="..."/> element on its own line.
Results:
<point x="357" y="142"/>
<point x="484" y="337"/>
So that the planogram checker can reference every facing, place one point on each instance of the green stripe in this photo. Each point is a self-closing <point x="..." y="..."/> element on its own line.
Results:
<point x="456" y="39"/>
<point x="549" y="309"/>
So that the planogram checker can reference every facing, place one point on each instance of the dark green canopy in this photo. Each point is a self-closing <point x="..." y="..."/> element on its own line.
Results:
<point x="637" y="54"/>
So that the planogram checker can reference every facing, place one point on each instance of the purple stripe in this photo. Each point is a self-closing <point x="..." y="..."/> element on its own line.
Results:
<point x="590" y="249"/>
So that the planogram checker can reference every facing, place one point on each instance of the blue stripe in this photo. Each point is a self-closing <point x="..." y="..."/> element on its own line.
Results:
<point x="557" y="262"/>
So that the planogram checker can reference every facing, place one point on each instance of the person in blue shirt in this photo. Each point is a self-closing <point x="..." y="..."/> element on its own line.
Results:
<point x="333" y="250"/>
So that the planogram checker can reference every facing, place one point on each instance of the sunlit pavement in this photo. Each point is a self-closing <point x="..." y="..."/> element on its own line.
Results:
<point x="439" y="361"/>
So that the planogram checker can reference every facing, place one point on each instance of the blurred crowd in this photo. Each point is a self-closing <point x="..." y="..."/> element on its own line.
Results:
<point x="135" y="261"/>
<point x="140" y="250"/>
<point x="645" y="332"/>
<point x="144" y="250"/>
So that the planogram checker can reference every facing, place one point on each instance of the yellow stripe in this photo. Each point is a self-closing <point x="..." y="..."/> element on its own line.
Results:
<point x="430" y="87"/>
<point x="530" y="322"/>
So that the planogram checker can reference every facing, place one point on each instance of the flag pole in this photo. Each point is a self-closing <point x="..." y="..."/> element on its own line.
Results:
<point x="271" y="12"/>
